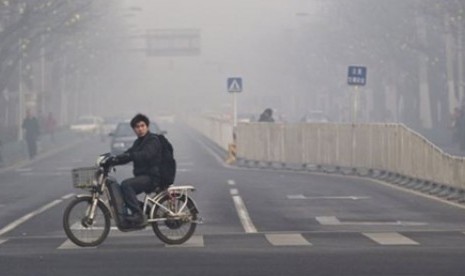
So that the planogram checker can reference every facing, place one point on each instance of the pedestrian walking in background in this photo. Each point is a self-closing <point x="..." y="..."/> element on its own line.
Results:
<point x="32" y="131"/>
<point x="266" y="116"/>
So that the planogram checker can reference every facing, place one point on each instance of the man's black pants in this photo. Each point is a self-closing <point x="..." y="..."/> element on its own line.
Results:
<point x="131" y="187"/>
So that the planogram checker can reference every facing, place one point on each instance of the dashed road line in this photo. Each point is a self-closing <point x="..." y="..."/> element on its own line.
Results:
<point x="287" y="240"/>
<point x="234" y="192"/>
<point x="244" y="217"/>
<point x="335" y="221"/>
<point x="390" y="238"/>
<point x="231" y="182"/>
<point x="70" y="245"/>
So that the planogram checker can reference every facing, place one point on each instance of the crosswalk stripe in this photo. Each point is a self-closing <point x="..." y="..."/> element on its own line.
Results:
<point x="70" y="245"/>
<point x="287" y="240"/>
<point x="194" y="241"/>
<point x="390" y="238"/>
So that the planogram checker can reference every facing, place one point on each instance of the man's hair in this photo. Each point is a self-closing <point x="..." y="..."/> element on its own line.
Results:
<point x="139" y="118"/>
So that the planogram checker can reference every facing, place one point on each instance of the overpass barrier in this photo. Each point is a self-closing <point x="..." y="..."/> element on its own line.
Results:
<point x="216" y="129"/>
<point x="385" y="147"/>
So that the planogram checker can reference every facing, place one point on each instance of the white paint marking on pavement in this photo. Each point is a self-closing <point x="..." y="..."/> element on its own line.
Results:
<point x="43" y="173"/>
<point x="390" y="238"/>
<point x="70" y="245"/>
<point x="328" y="220"/>
<point x="234" y="192"/>
<point x="2" y="241"/>
<point x="24" y="218"/>
<point x="194" y="241"/>
<point x="231" y="182"/>
<point x="336" y="221"/>
<point x="78" y="226"/>
<point x="296" y="197"/>
<point x="67" y="196"/>
<point x="244" y="215"/>
<point x="287" y="240"/>
<point x="300" y="196"/>
<point x="183" y="170"/>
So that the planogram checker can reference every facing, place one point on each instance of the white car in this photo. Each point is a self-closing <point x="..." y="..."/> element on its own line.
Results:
<point x="88" y="124"/>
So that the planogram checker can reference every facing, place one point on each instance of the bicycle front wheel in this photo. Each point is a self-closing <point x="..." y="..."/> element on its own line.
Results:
<point x="177" y="226"/>
<point x="80" y="228"/>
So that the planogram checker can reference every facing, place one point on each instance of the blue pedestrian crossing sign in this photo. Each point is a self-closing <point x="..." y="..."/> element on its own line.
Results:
<point x="357" y="75"/>
<point x="234" y="85"/>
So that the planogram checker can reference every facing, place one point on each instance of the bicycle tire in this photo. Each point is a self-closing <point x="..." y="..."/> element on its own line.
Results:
<point x="173" y="224"/>
<point x="68" y="224"/>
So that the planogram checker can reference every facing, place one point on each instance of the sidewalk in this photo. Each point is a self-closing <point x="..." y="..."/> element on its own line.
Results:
<point x="15" y="154"/>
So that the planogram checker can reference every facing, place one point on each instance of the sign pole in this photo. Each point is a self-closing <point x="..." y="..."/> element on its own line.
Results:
<point x="355" y="105"/>
<point x="234" y="110"/>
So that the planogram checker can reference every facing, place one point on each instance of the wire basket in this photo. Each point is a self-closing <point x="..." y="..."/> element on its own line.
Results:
<point x="84" y="177"/>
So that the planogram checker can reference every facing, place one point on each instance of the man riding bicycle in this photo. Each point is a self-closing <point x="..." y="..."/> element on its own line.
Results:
<point x="145" y="154"/>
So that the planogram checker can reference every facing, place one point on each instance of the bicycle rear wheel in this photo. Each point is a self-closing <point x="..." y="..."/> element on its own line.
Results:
<point x="174" y="229"/>
<point x="78" y="226"/>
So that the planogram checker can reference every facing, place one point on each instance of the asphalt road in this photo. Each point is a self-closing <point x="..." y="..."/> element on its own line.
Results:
<point x="256" y="222"/>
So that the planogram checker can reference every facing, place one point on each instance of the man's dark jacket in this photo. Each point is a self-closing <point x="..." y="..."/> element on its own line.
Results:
<point x="145" y="154"/>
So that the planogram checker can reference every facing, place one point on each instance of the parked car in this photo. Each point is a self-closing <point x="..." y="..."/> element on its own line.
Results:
<point x="109" y="124"/>
<point x="88" y="125"/>
<point x="123" y="137"/>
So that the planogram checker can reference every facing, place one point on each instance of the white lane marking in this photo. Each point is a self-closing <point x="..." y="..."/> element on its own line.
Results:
<point x="2" y="241"/>
<point x="78" y="226"/>
<point x="194" y="241"/>
<point x="296" y="197"/>
<point x="328" y="220"/>
<point x="231" y="182"/>
<point x="67" y="196"/>
<point x="24" y="218"/>
<point x="300" y="196"/>
<point x="336" y="221"/>
<point x="244" y="215"/>
<point x="287" y="240"/>
<point x="70" y="245"/>
<point x="234" y="192"/>
<point x="390" y="238"/>
<point x="43" y="173"/>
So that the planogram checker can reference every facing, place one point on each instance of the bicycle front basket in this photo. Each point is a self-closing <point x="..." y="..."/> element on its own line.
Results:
<point x="84" y="178"/>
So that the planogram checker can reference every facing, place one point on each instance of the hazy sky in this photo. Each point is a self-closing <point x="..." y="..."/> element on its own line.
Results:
<point x="238" y="38"/>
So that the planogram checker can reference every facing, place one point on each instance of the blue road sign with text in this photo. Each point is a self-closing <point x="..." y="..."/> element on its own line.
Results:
<point x="357" y="75"/>
<point x="234" y="85"/>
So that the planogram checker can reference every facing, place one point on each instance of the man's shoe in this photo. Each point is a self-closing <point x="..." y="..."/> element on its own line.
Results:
<point x="137" y="219"/>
